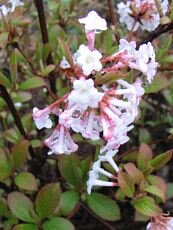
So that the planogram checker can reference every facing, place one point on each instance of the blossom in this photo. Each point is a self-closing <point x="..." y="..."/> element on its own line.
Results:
<point x="15" y="3"/>
<point x="64" y="63"/>
<point x="41" y="118"/>
<point x="89" y="60"/>
<point x="141" y="14"/>
<point x="84" y="94"/>
<point x="60" y="141"/>
<point x="93" y="22"/>
<point x="160" y="223"/>
<point x="4" y="10"/>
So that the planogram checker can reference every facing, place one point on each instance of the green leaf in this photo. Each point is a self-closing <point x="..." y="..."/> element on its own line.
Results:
<point x="3" y="208"/>
<point x="103" y="206"/>
<point x="66" y="51"/>
<point x="5" y="165"/>
<point x="169" y="192"/>
<point x="69" y="169"/>
<point x="4" y="39"/>
<point x="58" y="223"/>
<point x="47" y="199"/>
<point x="27" y="181"/>
<point x="126" y="184"/>
<point x="157" y="84"/>
<point x="4" y="80"/>
<point x="21" y="206"/>
<point x="22" y="97"/>
<point x="147" y="206"/>
<point x="13" y="65"/>
<point x="32" y="83"/>
<point x="159" y="161"/>
<point x="25" y="227"/>
<point x="145" y="154"/>
<point x="47" y="48"/>
<point x="12" y="135"/>
<point x="157" y="181"/>
<point x="154" y="190"/>
<point x="20" y="153"/>
<point x="45" y="72"/>
<point x="68" y="202"/>
<point x="109" y="77"/>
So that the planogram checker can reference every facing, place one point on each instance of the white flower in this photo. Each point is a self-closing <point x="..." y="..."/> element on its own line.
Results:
<point x="88" y="60"/>
<point x="143" y="14"/>
<point x="160" y="223"/>
<point x="5" y="10"/>
<point x="15" y="3"/>
<point x="84" y="94"/>
<point x="61" y="142"/>
<point x="41" y="118"/>
<point x="64" y="63"/>
<point x="93" y="22"/>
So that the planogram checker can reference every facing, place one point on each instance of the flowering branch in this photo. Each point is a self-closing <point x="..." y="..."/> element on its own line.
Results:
<point x="45" y="38"/>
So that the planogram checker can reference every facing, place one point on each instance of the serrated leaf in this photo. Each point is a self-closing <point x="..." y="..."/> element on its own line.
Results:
<point x="66" y="52"/>
<point x="32" y="83"/>
<point x="5" y="165"/>
<point x="27" y="181"/>
<point x="21" y="206"/>
<point x="69" y="169"/>
<point x="147" y="206"/>
<point x="152" y="189"/>
<point x="159" y="161"/>
<point x="157" y="84"/>
<point x="134" y="172"/>
<point x="103" y="206"/>
<point x="25" y="227"/>
<point x="68" y="202"/>
<point x="20" y="153"/>
<point x="126" y="184"/>
<point x="58" y="223"/>
<point x="48" y="199"/>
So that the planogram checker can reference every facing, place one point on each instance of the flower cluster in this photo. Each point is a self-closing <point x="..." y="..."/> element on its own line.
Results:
<point x="11" y="6"/>
<point x="141" y="14"/>
<point x="97" y="110"/>
<point x="160" y="223"/>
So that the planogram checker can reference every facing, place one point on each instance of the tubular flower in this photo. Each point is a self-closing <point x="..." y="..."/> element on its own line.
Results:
<point x="141" y="14"/>
<point x="41" y="118"/>
<point x="160" y="223"/>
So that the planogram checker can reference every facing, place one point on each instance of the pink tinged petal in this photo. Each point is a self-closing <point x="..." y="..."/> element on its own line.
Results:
<point x="41" y="118"/>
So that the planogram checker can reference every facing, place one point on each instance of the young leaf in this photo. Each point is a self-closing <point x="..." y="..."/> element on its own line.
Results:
<point x="5" y="165"/>
<point x="126" y="184"/>
<point x="68" y="202"/>
<point x="135" y="174"/>
<point x="20" y="153"/>
<point x="146" y="206"/>
<point x="4" y="80"/>
<point x="21" y="206"/>
<point x="48" y="199"/>
<point x="157" y="181"/>
<point x="103" y="206"/>
<point x="27" y="181"/>
<point x="58" y="223"/>
<point x="66" y="51"/>
<point x="155" y="191"/>
<point x="159" y="161"/>
<point x="145" y="154"/>
<point x="32" y="83"/>
<point x="25" y="227"/>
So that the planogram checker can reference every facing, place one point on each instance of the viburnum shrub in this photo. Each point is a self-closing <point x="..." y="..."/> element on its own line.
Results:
<point x="92" y="84"/>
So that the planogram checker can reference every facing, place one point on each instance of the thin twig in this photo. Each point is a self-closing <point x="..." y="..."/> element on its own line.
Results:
<point x="156" y="33"/>
<point x="5" y="95"/>
<point x="109" y="227"/>
<point x="45" y="38"/>
<point x="113" y="19"/>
